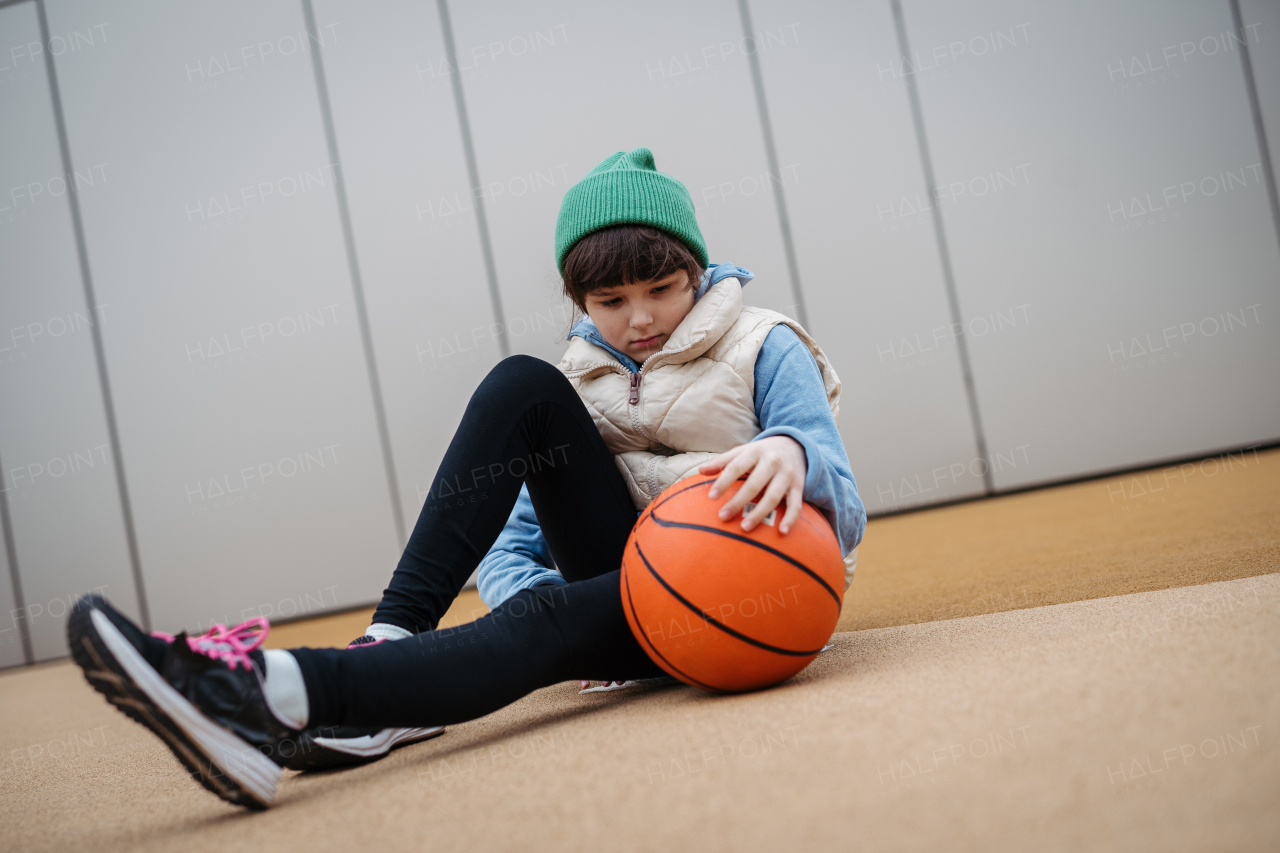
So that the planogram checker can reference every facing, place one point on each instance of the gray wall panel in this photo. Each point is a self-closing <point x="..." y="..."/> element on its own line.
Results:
<point x="868" y="257"/>
<point x="1108" y="179"/>
<point x="415" y="227"/>
<point x="1261" y="21"/>
<point x="556" y="87"/>
<point x="243" y="401"/>
<point x="58" y="472"/>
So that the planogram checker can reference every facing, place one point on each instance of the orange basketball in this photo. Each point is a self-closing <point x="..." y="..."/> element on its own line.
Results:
<point x="724" y="609"/>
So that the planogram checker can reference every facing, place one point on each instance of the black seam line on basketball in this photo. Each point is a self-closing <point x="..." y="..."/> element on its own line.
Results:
<point x="747" y="539"/>
<point x="650" y="644"/>
<point x="653" y="507"/>
<point x="723" y="627"/>
<point x="660" y="654"/>
<point x="681" y="492"/>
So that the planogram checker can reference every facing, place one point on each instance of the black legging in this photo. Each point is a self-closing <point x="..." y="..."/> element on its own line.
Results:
<point x="524" y="424"/>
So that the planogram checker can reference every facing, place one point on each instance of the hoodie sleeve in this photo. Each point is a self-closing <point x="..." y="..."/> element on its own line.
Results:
<point x="791" y="400"/>
<point x="519" y="557"/>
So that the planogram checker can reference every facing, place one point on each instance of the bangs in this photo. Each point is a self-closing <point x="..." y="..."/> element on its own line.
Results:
<point x="624" y="254"/>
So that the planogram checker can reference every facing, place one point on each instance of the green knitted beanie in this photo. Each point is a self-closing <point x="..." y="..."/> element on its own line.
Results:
<point x="627" y="189"/>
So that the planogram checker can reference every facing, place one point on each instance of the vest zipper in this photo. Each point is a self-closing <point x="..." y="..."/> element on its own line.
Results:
<point x="635" y="389"/>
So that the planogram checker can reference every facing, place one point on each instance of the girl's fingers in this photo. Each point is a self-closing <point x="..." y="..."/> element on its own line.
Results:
<point x="720" y="462"/>
<point x="713" y="465"/>
<point x="795" y="499"/>
<point x="761" y="474"/>
<point x="772" y="497"/>
<point x="732" y="473"/>
<point x="738" y="466"/>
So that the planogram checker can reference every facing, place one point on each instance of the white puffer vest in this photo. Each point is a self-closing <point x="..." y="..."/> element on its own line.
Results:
<point x="692" y="400"/>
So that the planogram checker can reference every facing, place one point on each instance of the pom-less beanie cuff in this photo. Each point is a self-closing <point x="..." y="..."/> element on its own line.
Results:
<point x="627" y="188"/>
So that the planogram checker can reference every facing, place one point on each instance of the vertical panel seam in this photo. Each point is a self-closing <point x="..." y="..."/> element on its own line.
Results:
<point x="473" y="175"/>
<point x="944" y="253"/>
<point x="353" y="268"/>
<point x="11" y="554"/>
<point x="1255" y="107"/>
<point x="10" y="546"/>
<point x="771" y="158"/>
<point x="99" y="351"/>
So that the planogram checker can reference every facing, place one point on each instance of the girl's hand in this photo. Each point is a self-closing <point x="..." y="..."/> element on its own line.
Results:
<point x="778" y="467"/>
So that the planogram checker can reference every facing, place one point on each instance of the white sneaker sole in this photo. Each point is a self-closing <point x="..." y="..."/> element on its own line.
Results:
<point x="213" y="753"/>
<point x="383" y="741"/>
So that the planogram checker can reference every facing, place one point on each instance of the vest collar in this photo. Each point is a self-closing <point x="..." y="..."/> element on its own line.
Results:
<point x="693" y="338"/>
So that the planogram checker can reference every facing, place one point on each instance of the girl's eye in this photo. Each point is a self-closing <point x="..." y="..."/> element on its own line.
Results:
<point x="662" y="289"/>
<point x="611" y="303"/>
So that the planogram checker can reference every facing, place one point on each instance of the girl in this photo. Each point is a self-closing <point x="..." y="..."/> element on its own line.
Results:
<point x="667" y="376"/>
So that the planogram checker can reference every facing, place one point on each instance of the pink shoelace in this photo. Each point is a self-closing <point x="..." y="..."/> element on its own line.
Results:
<point x="231" y="645"/>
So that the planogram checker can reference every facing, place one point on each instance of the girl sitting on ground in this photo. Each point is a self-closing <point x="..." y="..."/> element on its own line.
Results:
<point x="667" y="376"/>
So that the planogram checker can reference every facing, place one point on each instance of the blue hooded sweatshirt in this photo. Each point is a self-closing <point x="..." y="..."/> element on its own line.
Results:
<point x="796" y="407"/>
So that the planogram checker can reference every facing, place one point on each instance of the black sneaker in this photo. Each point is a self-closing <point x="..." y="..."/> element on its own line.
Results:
<point x="333" y="747"/>
<point x="202" y="696"/>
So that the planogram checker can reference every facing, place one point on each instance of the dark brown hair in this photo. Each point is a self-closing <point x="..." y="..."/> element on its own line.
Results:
<point x="624" y="254"/>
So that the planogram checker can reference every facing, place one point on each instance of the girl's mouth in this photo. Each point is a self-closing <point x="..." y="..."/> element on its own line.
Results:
<point x="645" y="343"/>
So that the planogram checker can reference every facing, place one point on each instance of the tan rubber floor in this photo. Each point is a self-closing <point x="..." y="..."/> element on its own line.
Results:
<point x="1211" y="520"/>
<point x="1149" y="721"/>
<point x="1146" y="720"/>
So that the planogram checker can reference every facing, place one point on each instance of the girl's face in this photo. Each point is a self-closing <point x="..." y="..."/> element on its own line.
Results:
<point x="638" y="318"/>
